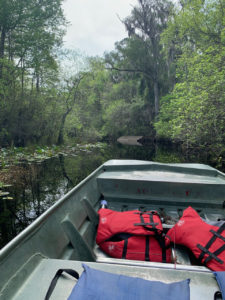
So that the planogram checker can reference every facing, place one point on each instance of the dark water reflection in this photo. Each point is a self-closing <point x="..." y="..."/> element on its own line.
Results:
<point x="38" y="186"/>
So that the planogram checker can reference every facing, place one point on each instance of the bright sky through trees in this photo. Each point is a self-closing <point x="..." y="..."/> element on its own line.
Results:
<point x="95" y="25"/>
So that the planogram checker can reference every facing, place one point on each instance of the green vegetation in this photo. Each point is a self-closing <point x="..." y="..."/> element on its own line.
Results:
<point x="194" y="111"/>
<point x="15" y="161"/>
<point x="20" y="155"/>
<point x="165" y="80"/>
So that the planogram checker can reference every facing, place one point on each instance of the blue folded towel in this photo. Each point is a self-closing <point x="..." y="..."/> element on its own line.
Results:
<point x="98" y="285"/>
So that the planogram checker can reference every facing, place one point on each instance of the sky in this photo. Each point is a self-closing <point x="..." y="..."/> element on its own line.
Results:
<point x="95" y="25"/>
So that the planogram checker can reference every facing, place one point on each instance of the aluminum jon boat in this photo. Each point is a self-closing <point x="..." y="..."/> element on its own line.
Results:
<point x="64" y="236"/>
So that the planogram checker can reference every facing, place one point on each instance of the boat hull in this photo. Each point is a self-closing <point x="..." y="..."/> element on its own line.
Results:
<point x="64" y="236"/>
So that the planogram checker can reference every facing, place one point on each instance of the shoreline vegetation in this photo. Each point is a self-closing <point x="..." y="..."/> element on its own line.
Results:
<point x="12" y="158"/>
<point x="18" y="155"/>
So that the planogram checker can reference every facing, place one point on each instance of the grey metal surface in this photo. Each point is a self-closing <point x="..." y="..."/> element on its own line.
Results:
<point x="202" y="284"/>
<point x="177" y="183"/>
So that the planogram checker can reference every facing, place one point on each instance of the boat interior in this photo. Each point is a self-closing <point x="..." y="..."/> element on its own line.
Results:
<point x="64" y="236"/>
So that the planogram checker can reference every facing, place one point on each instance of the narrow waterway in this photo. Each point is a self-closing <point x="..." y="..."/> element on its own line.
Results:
<point x="37" y="186"/>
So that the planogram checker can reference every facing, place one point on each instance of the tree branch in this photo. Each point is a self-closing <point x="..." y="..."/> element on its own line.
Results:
<point x="130" y="70"/>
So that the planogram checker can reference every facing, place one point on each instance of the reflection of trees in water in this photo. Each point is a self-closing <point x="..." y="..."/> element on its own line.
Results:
<point x="38" y="186"/>
<point x="9" y="219"/>
<point x="62" y="164"/>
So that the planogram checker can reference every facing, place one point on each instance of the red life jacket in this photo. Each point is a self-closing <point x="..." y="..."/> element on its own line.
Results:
<point x="207" y="242"/>
<point x="132" y="235"/>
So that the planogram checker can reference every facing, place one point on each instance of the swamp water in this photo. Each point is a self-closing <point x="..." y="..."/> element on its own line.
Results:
<point x="38" y="185"/>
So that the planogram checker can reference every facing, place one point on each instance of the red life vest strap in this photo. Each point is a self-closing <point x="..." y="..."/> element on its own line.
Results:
<point x="147" y="258"/>
<point x="205" y="250"/>
<point x="144" y="224"/>
<point x="211" y="254"/>
<point x="160" y="239"/>
<point x="125" y="249"/>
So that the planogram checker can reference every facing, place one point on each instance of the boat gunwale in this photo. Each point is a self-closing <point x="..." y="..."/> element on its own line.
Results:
<point x="148" y="264"/>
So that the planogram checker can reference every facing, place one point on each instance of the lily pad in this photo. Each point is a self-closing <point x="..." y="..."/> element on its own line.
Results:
<point x="4" y="193"/>
<point x="7" y="198"/>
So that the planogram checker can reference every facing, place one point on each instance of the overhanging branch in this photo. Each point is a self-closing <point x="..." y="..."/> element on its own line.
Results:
<point x="130" y="70"/>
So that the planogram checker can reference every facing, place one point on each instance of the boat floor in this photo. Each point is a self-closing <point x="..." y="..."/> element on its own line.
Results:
<point x="202" y="283"/>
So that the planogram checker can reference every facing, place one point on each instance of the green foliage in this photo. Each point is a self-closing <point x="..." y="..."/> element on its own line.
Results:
<point x="30" y="33"/>
<point x="49" y="96"/>
<point x="174" y="54"/>
<point x="147" y="21"/>
<point x="194" y="111"/>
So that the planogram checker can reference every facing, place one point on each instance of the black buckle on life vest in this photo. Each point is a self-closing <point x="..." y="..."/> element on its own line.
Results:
<point x="205" y="250"/>
<point x="144" y="224"/>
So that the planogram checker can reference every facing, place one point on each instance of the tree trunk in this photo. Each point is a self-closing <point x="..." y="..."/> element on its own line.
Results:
<point x="22" y="78"/>
<point x="75" y="89"/>
<point x="37" y="83"/>
<point x="156" y="94"/>
<point x="2" y="49"/>
<point x="61" y="129"/>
